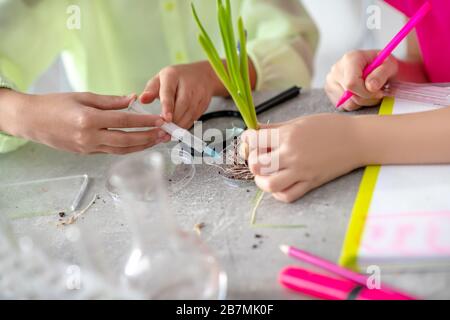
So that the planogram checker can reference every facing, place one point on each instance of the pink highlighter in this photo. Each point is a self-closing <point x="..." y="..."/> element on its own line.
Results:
<point x="386" y="52"/>
<point x="331" y="288"/>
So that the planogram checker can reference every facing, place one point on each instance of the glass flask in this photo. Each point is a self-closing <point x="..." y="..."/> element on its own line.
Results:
<point x="164" y="262"/>
<point x="178" y="171"/>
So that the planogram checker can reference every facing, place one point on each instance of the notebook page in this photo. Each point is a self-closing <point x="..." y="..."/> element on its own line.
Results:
<point x="409" y="215"/>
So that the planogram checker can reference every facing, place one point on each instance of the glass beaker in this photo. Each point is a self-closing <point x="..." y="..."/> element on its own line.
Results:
<point x="164" y="262"/>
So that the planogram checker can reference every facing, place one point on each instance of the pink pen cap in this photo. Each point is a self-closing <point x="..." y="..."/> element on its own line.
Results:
<point x="330" y="288"/>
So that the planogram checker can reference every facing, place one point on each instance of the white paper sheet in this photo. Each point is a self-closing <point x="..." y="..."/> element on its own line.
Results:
<point x="409" y="216"/>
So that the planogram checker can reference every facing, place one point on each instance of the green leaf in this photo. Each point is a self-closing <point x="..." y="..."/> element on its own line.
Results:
<point x="235" y="75"/>
<point x="245" y="72"/>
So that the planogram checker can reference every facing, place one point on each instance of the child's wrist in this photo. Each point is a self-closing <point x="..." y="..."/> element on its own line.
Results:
<point x="412" y="71"/>
<point x="354" y="142"/>
<point x="369" y="139"/>
<point x="12" y="104"/>
<point x="217" y="87"/>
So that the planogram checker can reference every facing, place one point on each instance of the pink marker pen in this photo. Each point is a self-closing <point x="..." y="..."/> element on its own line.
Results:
<point x="328" y="288"/>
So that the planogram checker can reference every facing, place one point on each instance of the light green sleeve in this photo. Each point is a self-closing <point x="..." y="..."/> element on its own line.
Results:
<point x="30" y="39"/>
<point x="7" y="142"/>
<point x="282" y="41"/>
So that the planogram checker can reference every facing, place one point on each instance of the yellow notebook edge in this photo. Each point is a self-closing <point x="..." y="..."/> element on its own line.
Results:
<point x="350" y="248"/>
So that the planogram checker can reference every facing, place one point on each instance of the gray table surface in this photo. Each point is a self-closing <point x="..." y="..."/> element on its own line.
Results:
<point x="252" y="272"/>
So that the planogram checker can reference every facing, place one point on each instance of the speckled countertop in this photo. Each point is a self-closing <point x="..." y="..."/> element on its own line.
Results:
<point x="249" y="255"/>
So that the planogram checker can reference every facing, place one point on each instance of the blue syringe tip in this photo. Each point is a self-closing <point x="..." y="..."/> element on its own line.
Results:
<point x="212" y="153"/>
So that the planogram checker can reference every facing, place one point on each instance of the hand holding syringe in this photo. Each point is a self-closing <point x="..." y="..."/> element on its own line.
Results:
<point x="182" y="135"/>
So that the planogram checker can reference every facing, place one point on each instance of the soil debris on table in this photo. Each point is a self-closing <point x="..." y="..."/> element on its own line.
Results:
<point x="199" y="227"/>
<point x="76" y="215"/>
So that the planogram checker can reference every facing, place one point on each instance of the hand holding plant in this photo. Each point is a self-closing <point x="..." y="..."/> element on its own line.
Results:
<point x="309" y="152"/>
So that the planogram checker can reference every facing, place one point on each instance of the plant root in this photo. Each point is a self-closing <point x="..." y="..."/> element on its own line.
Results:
<point x="235" y="167"/>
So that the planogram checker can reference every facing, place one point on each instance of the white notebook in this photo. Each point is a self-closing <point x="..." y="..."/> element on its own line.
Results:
<point x="407" y="218"/>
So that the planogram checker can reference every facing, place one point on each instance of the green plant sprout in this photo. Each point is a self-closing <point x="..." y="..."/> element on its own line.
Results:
<point x="235" y="75"/>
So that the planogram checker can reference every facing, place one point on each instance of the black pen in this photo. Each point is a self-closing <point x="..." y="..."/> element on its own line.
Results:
<point x="279" y="99"/>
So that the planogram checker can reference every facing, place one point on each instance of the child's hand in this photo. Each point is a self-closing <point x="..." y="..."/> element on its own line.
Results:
<point x="185" y="92"/>
<point x="78" y="122"/>
<point x="288" y="160"/>
<point x="346" y="74"/>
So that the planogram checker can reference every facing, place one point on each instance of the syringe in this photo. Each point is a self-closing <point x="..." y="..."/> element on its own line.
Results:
<point x="182" y="135"/>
